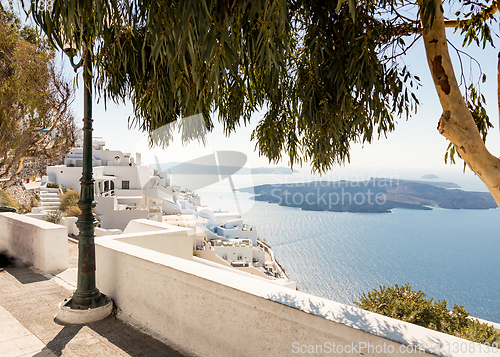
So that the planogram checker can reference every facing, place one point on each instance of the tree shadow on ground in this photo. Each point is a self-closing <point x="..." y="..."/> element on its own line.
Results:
<point x="123" y="336"/>
<point x="133" y="341"/>
<point x="17" y="268"/>
<point x="59" y="342"/>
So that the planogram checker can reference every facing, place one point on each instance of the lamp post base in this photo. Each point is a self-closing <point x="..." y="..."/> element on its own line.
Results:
<point x="68" y="313"/>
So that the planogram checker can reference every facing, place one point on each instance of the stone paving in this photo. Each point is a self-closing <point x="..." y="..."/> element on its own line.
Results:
<point x="28" y="302"/>
<point x="16" y="340"/>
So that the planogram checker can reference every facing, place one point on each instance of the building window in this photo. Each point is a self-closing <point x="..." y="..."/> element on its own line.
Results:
<point x="112" y="185"/>
<point x="106" y="186"/>
<point x="239" y="257"/>
<point x="224" y="256"/>
<point x="125" y="185"/>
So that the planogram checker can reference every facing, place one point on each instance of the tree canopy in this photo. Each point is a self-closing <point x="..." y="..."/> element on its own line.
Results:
<point x="325" y="73"/>
<point x="34" y="98"/>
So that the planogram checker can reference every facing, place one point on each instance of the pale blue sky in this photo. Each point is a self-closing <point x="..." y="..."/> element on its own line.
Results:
<point x="413" y="149"/>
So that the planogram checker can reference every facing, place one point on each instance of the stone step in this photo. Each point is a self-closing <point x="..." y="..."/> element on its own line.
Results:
<point x="48" y="204"/>
<point x="49" y="194"/>
<point x="50" y="208"/>
<point x="50" y="190"/>
<point x="50" y="199"/>
<point x="46" y="197"/>
<point x="44" y="205"/>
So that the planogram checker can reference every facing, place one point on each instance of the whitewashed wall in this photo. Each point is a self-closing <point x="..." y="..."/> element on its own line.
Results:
<point x="36" y="242"/>
<point x="112" y="218"/>
<point x="214" y="312"/>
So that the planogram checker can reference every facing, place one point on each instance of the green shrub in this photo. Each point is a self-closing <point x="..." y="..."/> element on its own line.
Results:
<point x="69" y="199"/>
<point x="412" y="306"/>
<point x="52" y="185"/>
<point x="53" y="216"/>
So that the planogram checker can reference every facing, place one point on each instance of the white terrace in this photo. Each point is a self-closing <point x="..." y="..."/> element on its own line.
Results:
<point x="159" y="287"/>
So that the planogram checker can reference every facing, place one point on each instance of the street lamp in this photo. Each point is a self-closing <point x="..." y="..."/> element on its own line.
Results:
<point x="87" y="304"/>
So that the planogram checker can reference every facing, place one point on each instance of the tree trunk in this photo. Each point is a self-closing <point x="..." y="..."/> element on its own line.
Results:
<point x="456" y="123"/>
<point x="498" y="77"/>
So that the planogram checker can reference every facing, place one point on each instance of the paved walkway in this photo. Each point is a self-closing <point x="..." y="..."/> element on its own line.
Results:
<point x="16" y="340"/>
<point x="28" y="303"/>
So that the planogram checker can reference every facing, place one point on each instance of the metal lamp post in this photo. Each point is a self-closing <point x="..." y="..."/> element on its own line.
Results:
<point x="78" y="308"/>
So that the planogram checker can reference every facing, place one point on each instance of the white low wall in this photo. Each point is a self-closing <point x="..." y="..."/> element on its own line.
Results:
<point x="113" y="218"/>
<point x="177" y="244"/>
<point x="36" y="242"/>
<point x="105" y="232"/>
<point x="70" y="224"/>
<point x="213" y="312"/>
<point x="160" y="237"/>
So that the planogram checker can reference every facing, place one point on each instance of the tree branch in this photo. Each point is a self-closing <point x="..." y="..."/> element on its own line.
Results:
<point x="456" y="122"/>
<point x="488" y="11"/>
<point x="498" y="79"/>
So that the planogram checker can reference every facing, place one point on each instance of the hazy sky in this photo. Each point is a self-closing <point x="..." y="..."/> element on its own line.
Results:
<point x="413" y="149"/>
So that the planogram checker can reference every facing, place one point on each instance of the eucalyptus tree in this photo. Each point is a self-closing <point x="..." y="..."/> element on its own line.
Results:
<point x="325" y="73"/>
<point x="464" y="121"/>
<point x="35" y="98"/>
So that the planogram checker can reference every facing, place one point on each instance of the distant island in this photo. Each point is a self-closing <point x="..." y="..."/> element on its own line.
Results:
<point x="377" y="195"/>
<point x="272" y="170"/>
<point x="430" y="177"/>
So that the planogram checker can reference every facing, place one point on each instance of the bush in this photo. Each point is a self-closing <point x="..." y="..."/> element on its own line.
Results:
<point x="69" y="199"/>
<point x="53" y="216"/>
<point x="72" y="211"/>
<point x="6" y="200"/>
<point x="195" y="253"/>
<point x="412" y="306"/>
<point x="23" y="209"/>
<point x="52" y="185"/>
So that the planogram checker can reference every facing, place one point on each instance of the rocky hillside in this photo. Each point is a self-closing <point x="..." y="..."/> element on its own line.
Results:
<point x="33" y="167"/>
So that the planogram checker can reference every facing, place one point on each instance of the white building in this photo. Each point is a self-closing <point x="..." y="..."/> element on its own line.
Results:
<point x="115" y="173"/>
<point x="235" y="228"/>
<point x="126" y="191"/>
<point x="123" y="188"/>
<point x="189" y="221"/>
<point x="239" y="252"/>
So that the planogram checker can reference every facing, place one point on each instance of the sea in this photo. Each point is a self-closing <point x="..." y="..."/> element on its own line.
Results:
<point x="451" y="255"/>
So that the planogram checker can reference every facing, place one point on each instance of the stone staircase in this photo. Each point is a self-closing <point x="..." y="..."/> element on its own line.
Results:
<point x="49" y="200"/>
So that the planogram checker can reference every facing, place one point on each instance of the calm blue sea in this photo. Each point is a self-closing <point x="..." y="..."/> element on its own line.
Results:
<point x="451" y="255"/>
